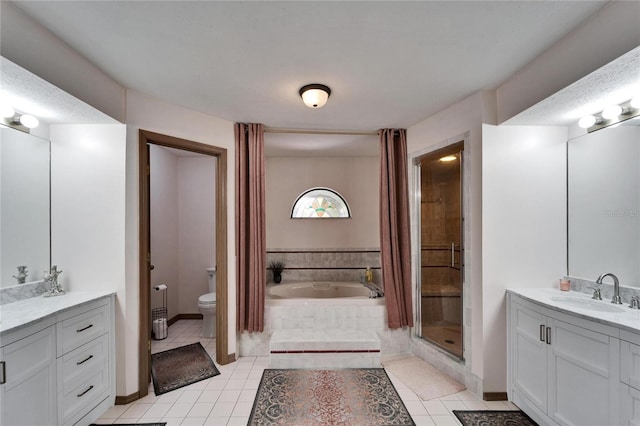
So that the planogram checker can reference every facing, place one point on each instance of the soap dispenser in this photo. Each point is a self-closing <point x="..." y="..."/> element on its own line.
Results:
<point x="368" y="275"/>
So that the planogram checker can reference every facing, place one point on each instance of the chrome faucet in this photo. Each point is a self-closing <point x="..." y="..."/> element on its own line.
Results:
<point x="376" y="289"/>
<point x="616" y="287"/>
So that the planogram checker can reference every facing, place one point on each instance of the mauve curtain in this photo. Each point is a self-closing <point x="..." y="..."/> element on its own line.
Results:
<point x="395" y="246"/>
<point x="250" y="226"/>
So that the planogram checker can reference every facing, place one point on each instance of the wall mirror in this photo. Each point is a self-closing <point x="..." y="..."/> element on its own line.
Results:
<point x="25" y="237"/>
<point x="603" y="179"/>
<point x="320" y="203"/>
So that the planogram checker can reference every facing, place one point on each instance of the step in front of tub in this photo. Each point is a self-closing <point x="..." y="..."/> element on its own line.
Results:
<point x="337" y="348"/>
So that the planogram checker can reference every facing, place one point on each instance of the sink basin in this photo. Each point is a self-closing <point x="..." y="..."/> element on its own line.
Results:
<point x="587" y="304"/>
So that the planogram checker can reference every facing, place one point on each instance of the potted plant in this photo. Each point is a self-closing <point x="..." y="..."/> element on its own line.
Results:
<point x="276" y="267"/>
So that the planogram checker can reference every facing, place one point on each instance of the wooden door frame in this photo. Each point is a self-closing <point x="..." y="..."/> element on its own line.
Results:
<point x="144" y="140"/>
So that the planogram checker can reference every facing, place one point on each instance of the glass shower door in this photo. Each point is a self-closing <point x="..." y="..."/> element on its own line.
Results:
<point x="441" y="247"/>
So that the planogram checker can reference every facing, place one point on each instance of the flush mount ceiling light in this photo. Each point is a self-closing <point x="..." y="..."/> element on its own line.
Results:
<point x="315" y="95"/>
<point x="448" y="158"/>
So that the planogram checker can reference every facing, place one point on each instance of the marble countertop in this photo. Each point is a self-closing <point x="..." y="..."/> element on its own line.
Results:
<point x="628" y="319"/>
<point x="28" y="311"/>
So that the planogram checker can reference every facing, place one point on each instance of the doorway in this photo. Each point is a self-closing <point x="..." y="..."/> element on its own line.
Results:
<point x="145" y="140"/>
<point x="441" y="248"/>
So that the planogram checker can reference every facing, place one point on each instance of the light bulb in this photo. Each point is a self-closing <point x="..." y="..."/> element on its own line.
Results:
<point x="587" y="121"/>
<point x="635" y="102"/>
<point x="611" y="112"/>
<point x="7" y="111"/>
<point x="315" y="98"/>
<point x="29" y="121"/>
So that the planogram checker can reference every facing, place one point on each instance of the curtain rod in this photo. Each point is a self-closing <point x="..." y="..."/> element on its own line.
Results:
<point x="321" y="132"/>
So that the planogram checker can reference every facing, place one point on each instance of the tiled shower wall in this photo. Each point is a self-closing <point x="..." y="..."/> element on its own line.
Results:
<point x="326" y="264"/>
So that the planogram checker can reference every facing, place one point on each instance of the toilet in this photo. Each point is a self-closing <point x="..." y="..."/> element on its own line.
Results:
<point x="207" y="306"/>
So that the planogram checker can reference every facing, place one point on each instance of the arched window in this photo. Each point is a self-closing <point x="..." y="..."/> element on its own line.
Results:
<point x="320" y="203"/>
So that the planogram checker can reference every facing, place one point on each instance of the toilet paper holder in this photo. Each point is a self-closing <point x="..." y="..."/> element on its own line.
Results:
<point x="159" y="326"/>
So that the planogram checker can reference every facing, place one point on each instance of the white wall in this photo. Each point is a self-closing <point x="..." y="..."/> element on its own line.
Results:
<point x="357" y="179"/>
<point x="88" y="205"/>
<point x="523" y="226"/>
<point x="164" y="216"/>
<point x="144" y="112"/>
<point x="197" y="207"/>
<point x="453" y="122"/>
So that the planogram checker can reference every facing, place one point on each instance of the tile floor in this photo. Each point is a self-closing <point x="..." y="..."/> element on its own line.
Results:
<point x="227" y="399"/>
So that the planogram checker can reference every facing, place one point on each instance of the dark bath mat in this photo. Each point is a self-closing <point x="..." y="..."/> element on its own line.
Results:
<point x="357" y="396"/>
<point x="494" y="418"/>
<point x="180" y="367"/>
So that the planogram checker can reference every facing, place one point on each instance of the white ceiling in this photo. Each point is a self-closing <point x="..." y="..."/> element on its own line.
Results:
<point x="389" y="64"/>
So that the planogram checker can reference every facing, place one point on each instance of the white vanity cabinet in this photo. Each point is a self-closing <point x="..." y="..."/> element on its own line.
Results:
<point x="59" y="370"/>
<point x="630" y="378"/>
<point x="562" y="369"/>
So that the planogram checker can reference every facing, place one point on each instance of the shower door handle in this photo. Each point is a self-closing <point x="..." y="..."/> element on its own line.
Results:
<point x="453" y="255"/>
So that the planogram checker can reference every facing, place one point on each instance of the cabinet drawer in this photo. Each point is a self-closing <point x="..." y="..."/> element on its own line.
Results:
<point x="630" y="364"/>
<point x="77" y="365"/>
<point x="80" y="329"/>
<point x="87" y="393"/>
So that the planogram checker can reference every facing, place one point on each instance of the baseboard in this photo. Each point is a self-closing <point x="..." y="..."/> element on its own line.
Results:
<point x="124" y="400"/>
<point x="495" y="396"/>
<point x="183" y="316"/>
<point x="223" y="360"/>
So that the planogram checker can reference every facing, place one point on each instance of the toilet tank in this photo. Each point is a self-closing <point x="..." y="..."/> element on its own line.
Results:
<point x="211" y="272"/>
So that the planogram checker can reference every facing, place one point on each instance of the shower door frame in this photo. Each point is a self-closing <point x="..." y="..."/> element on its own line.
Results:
<point x="416" y="243"/>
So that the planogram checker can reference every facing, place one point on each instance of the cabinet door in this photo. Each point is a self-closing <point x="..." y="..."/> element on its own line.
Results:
<point x="529" y="355"/>
<point x="629" y="405"/>
<point x="28" y="397"/>
<point x="584" y="376"/>
<point x="630" y="368"/>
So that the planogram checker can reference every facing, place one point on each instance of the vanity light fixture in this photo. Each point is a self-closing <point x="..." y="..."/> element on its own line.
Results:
<point x="612" y="115"/>
<point x="315" y="95"/>
<point x="19" y="121"/>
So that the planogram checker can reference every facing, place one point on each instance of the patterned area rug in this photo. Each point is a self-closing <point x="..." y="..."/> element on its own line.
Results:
<point x="180" y="367"/>
<point x="494" y="418"/>
<point x="360" y="396"/>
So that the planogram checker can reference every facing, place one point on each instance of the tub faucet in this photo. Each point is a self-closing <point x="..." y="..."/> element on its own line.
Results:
<point x="616" y="287"/>
<point x="376" y="289"/>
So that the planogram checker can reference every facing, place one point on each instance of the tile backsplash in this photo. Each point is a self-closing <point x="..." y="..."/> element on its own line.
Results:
<point x="326" y="264"/>
<point x="22" y="291"/>
<point x="606" y="289"/>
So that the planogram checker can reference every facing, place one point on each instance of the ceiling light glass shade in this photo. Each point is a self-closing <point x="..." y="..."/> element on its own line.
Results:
<point x="587" y="121"/>
<point x="6" y="111"/>
<point x="611" y="112"/>
<point x="29" y="121"/>
<point x="315" y="95"/>
<point x="448" y="158"/>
